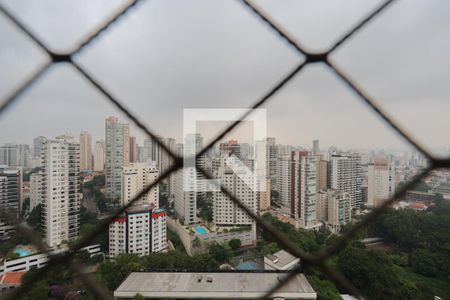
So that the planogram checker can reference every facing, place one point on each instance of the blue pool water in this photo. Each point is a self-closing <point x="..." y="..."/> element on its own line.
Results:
<point x="247" y="265"/>
<point x="201" y="230"/>
<point x="22" y="252"/>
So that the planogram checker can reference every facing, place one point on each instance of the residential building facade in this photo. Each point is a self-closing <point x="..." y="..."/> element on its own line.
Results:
<point x="135" y="177"/>
<point x="116" y="156"/>
<point x="140" y="230"/>
<point x="61" y="190"/>
<point x="85" y="151"/>
<point x="345" y="175"/>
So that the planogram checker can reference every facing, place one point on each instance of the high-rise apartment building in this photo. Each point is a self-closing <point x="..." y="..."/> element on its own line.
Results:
<point x="152" y="150"/>
<point x="140" y="230"/>
<point x="38" y="146"/>
<point x="61" y="190"/>
<point x="133" y="150"/>
<point x="264" y="197"/>
<point x="9" y="155"/>
<point x="284" y="180"/>
<point x="321" y="172"/>
<point x="380" y="182"/>
<point x="240" y="184"/>
<point x="229" y="148"/>
<point x="334" y="208"/>
<point x="345" y="175"/>
<point x="85" y="151"/>
<point x="185" y="196"/>
<point x="315" y="149"/>
<point x="35" y="190"/>
<point x="15" y="155"/>
<point x="99" y="156"/>
<point x="193" y="144"/>
<point x="117" y="155"/>
<point x="135" y="177"/>
<point x="165" y="160"/>
<point x="166" y="163"/>
<point x="272" y="161"/>
<point x="303" y="188"/>
<point x="10" y="196"/>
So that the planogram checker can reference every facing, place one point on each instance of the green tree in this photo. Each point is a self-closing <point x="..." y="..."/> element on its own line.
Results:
<point x="427" y="263"/>
<point x="372" y="273"/>
<point x="39" y="290"/>
<point x="96" y="259"/>
<point x="235" y="244"/>
<point x="6" y="247"/>
<point x="221" y="253"/>
<point x="325" y="289"/>
<point x="85" y="229"/>
<point x="12" y="255"/>
<point x="114" y="272"/>
<point x="83" y="256"/>
<point x="35" y="217"/>
<point x="305" y="239"/>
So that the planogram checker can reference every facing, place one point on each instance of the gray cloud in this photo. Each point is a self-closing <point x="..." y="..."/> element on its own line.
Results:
<point x="168" y="55"/>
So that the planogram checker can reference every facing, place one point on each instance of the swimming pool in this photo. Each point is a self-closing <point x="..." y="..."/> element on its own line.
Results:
<point x="248" y="265"/>
<point x="201" y="230"/>
<point x="22" y="252"/>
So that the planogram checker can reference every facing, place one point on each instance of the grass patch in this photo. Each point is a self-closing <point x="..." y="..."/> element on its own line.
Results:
<point x="439" y="287"/>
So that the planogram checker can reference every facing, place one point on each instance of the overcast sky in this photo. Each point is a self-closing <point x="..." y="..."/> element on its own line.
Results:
<point x="164" y="56"/>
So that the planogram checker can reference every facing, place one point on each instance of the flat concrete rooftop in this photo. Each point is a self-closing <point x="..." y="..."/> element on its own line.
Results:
<point x="223" y="285"/>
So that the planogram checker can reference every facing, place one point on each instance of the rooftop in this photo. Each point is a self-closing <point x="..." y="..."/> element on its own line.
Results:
<point x="224" y="285"/>
<point x="281" y="258"/>
<point x="12" y="278"/>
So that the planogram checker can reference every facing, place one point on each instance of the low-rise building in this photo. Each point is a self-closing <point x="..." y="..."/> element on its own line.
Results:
<point x="417" y="196"/>
<point x="140" y="230"/>
<point x="11" y="280"/>
<point x="39" y="260"/>
<point x="443" y="189"/>
<point x="223" y="285"/>
<point x="281" y="261"/>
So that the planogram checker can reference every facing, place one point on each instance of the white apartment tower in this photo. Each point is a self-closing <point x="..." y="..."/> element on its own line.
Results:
<point x="99" y="156"/>
<point x="60" y="190"/>
<point x="284" y="180"/>
<point x="303" y="188"/>
<point x="85" y="151"/>
<point x="35" y="190"/>
<point x="185" y="198"/>
<point x="116" y="156"/>
<point x="137" y="176"/>
<point x="345" y="175"/>
<point x="193" y="144"/>
<point x="272" y="161"/>
<point x="239" y="183"/>
<point x="380" y="182"/>
<point x="140" y="230"/>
